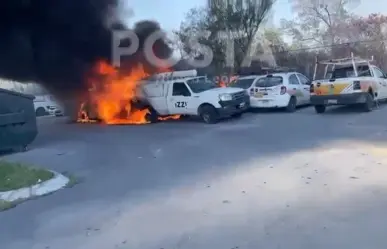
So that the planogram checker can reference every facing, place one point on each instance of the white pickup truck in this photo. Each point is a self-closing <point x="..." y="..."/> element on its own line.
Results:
<point x="352" y="81"/>
<point x="193" y="96"/>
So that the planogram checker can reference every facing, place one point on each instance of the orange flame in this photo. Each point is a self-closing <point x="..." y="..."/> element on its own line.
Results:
<point x="82" y="115"/>
<point x="171" y="117"/>
<point x="113" y="97"/>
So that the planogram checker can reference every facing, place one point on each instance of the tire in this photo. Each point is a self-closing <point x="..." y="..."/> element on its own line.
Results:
<point x="320" y="108"/>
<point x="368" y="106"/>
<point x="152" y="116"/>
<point x="208" y="114"/>
<point x="40" y="112"/>
<point x="237" y="115"/>
<point x="292" y="105"/>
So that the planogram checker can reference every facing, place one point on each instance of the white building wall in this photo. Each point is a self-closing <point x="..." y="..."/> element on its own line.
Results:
<point x="26" y="87"/>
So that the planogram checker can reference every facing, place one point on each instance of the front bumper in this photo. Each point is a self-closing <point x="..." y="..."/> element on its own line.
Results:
<point x="58" y="113"/>
<point x="51" y="112"/>
<point x="232" y="107"/>
<point x="340" y="99"/>
<point x="55" y="111"/>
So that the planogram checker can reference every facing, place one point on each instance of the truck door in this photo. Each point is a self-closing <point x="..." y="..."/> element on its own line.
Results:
<point x="382" y="82"/>
<point x="179" y="99"/>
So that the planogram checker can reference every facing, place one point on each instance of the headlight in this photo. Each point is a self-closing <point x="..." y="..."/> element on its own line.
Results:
<point x="225" y="97"/>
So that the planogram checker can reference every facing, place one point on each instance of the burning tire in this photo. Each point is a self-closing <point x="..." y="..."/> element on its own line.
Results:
<point x="152" y="116"/>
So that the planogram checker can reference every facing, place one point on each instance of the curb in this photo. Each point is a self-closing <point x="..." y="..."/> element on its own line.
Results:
<point x="59" y="181"/>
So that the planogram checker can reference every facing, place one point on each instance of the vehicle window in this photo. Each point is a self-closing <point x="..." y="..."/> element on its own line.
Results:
<point x="378" y="73"/>
<point x="180" y="89"/>
<point x="201" y="84"/>
<point x="243" y="83"/>
<point x="304" y="80"/>
<point x="347" y="72"/>
<point x="293" y="80"/>
<point x="269" y="81"/>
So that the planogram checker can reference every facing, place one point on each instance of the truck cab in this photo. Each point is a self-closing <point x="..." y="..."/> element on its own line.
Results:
<point x="351" y="81"/>
<point x="193" y="96"/>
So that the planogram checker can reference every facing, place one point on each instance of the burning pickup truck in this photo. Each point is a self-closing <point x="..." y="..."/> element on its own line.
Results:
<point x="138" y="99"/>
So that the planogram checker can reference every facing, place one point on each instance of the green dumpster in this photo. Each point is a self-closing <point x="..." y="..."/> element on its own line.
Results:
<point x="18" y="127"/>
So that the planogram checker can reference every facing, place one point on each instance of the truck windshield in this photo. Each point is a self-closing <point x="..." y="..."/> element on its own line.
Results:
<point x="269" y="81"/>
<point x="201" y="85"/>
<point x="348" y="72"/>
<point x="243" y="83"/>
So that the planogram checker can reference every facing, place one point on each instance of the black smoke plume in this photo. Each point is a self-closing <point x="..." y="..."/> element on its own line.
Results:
<point x="57" y="42"/>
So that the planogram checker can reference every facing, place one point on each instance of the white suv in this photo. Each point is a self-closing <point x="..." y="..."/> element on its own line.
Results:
<point x="194" y="96"/>
<point x="47" y="105"/>
<point x="280" y="90"/>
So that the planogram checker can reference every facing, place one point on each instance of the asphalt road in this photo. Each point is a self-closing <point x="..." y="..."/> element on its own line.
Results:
<point x="268" y="180"/>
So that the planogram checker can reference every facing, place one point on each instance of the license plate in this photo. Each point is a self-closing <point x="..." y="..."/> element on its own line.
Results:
<point x="241" y="105"/>
<point x="332" y="101"/>
<point x="258" y="95"/>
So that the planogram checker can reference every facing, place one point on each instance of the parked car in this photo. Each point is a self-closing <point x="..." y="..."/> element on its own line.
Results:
<point x="47" y="105"/>
<point x="279" y="90"/>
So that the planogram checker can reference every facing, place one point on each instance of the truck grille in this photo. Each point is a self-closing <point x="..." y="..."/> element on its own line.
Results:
<point x="239" y="95"/>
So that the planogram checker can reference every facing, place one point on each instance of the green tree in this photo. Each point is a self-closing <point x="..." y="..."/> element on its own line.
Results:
<point x="225" y="20"/>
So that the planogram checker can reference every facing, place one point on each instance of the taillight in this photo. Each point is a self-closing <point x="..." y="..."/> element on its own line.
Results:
<point x="283" y="90"/>
<point x="311" y="89"/>
<point x="356" y="85"/>
<point x="251" y="91"/>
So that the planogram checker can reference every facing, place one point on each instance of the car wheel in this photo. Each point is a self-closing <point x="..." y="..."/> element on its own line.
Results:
<point x="292" y="105"/>
<point x="40" y="112"/>
<point x="320" y="108"/>
<point x="368" y="106"/>
<point x="209" y="114"/>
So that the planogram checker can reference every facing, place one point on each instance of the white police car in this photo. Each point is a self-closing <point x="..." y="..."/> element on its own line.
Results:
<point x="280" y="90"/>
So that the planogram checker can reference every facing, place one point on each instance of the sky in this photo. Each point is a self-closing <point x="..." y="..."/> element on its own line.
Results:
<point x="170" y="13"/>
